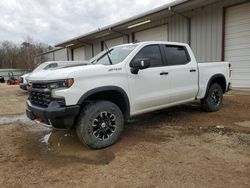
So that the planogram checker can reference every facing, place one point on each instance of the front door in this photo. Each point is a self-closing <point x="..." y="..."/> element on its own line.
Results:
<point x="150" y="88"/>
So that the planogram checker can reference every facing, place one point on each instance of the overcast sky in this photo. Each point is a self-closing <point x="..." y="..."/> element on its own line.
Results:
<point x="54" y="21"/>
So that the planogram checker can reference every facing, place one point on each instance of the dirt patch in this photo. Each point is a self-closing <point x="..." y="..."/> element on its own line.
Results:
<point x="243" y="124"/>
<point x="177" y="147"/>
<point x="12" y="99"/>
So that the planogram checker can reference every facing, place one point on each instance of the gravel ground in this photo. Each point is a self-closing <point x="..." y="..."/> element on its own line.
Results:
<point x="177" y="147"/>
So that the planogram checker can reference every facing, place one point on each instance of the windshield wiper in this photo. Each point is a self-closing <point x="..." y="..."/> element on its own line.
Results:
<point x="108" y="52"/>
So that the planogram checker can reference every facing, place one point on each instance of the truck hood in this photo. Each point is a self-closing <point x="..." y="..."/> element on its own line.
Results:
<point x="58" y="73"/>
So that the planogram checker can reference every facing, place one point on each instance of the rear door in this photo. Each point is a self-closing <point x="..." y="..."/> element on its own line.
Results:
<point x="183" y="73"/>
<point x="150" y="87"/>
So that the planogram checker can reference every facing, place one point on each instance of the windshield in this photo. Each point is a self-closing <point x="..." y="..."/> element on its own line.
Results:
<point x="116" y="54"/>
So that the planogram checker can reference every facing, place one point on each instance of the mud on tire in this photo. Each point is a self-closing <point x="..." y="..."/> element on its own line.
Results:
<point x="100" y="124"/>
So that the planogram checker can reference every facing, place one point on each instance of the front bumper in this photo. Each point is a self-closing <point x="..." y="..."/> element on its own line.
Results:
<point x="23" y="86"/>
<point x="54" y="114"/>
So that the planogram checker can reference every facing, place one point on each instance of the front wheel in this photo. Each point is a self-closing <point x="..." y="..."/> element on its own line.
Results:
<point x="213" y="100"/>
<point x="100" y="124"/>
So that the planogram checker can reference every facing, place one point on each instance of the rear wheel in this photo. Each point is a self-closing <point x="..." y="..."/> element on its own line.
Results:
<point x="213" y="100"/>
<point x="100" y="124"/>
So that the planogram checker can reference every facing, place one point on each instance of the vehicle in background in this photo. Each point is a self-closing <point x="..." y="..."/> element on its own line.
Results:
<point x="46" y="66"/>
<point x="12" y="79"/>
<point x="23" y="81"/>
<point x="125" y="81"/>
<point x="2" y="79"/>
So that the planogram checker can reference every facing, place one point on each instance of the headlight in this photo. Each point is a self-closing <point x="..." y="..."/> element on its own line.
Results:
<point x="61" y="84"/>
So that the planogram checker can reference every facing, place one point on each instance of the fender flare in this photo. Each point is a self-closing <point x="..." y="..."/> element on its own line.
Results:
<point x="213" y="77"/>
<point x="107" y="88"/>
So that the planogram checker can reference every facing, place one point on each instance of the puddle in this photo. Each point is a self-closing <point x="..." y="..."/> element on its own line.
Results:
<point x="64" y="147"/>
<point x="243" y="124"/>
<point x="20" y="118"/>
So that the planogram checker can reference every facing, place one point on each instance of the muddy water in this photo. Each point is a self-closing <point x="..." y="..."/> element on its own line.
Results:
<point x="55" y="146"/>
<point x="18" y="118"/>
<point x="63" y="146"/>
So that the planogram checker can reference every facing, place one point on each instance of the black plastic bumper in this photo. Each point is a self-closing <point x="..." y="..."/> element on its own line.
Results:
<point x="23" y="86"/>
<point x="229" y="86"/>
<point x="54" y="114"/>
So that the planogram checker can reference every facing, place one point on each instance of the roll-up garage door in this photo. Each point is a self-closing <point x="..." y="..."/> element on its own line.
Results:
<point x="237" y="43"/>
<point x="114" y="42"/>
<point x="79" y="54"/>
<point x="154" y="34"/>
<point x="61" y="55"/>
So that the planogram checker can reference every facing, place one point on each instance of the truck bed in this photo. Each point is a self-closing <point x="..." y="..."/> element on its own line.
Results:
<point x="207" y="70"/>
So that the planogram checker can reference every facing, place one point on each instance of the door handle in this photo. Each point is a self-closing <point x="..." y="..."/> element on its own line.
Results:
<point x="192" y="70"/>
<point x="164" y="73"/>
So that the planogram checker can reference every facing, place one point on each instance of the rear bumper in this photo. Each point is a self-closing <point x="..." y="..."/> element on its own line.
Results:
<point x="229" y="87"/>
<point x="54" y="114"/>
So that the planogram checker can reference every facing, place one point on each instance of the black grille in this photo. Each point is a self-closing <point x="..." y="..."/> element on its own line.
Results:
<point x="40" y="98"/>
<point x="39" y="85"/>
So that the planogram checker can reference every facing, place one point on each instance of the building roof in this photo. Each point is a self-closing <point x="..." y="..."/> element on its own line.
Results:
<point x="121" y="28"/>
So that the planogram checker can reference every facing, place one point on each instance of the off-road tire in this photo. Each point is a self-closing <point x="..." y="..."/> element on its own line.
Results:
<point x="90" y="121"/>
<point x="214" y="98"/>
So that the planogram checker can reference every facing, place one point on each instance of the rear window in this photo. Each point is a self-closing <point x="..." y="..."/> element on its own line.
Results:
<point x="176" y="55"/>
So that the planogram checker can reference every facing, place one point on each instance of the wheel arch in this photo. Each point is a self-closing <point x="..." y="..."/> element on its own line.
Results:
<point x="219" y="79"/>
<point x="111" y="93"/>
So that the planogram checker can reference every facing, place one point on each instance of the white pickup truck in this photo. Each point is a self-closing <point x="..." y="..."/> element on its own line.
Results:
<point x="121" y="82"/>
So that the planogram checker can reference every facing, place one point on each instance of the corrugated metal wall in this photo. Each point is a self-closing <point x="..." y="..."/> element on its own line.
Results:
<point x="88" y="52"/>
<point x="97" y="47"/>
<point x="49" y="56"/>
<point x="178" y="29"/>
<point x="206" y="32"/>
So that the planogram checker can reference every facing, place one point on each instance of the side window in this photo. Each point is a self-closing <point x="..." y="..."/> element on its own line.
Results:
<point x="176" y="55"/>
<point x="152" y="52"/>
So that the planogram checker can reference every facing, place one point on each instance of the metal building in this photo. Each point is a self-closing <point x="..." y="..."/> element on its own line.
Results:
<point x="217" y="30"/>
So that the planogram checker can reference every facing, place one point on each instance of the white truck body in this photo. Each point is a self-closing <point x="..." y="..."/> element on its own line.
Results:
<point x="148" y="90"/>
<point x="124" y="81"/>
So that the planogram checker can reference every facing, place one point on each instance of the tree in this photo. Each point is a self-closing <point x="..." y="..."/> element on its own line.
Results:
<point x="21" y="56"/>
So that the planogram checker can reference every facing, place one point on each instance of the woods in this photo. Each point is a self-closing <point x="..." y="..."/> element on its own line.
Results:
<point x="21" y="56"/>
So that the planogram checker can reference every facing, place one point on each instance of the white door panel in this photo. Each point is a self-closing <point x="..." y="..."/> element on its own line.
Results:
<point x="149" y="88"/>
<point x="184" y="84"/>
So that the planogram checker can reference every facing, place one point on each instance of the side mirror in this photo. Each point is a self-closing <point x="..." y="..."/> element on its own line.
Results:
<point x="138" y="64"/>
